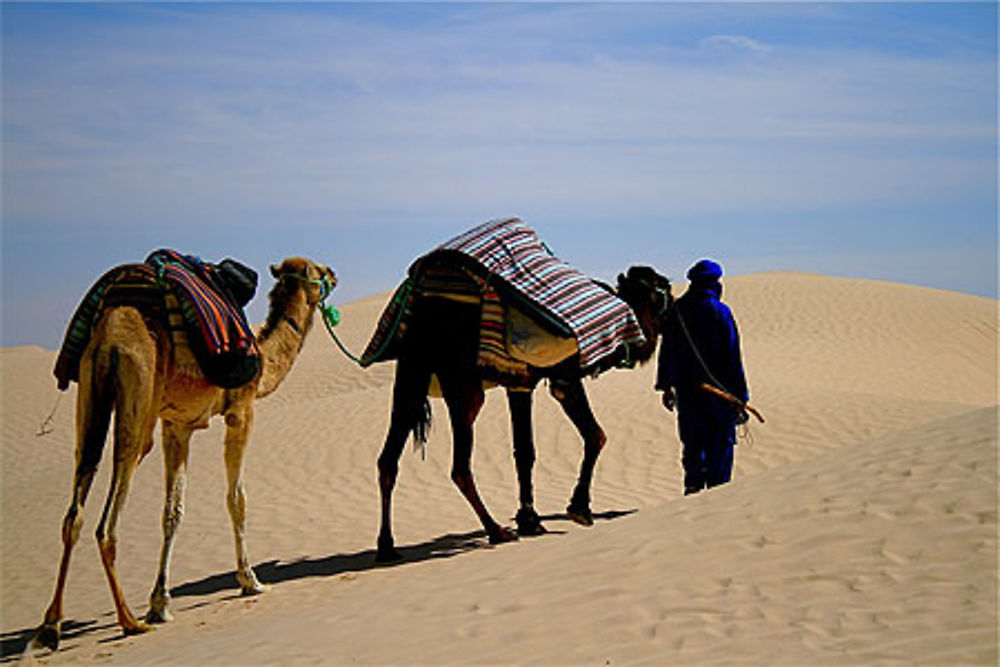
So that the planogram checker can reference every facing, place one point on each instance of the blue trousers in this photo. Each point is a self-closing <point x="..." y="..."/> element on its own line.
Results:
<point x="708" y="433"/>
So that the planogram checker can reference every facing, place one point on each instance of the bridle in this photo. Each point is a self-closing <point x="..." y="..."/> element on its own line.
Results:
<point x="325" y="284"/>
<point x="663" y="292"/>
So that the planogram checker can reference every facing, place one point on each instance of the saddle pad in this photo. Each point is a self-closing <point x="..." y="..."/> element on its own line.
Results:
<point x="218" y="332"/>
<point x="528" y="342"/>
<point x="506" y="258"/>
<point x="511" y="250"/>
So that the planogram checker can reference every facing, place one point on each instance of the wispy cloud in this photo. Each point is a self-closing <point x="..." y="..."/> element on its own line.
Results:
<point x="737" y="42"/>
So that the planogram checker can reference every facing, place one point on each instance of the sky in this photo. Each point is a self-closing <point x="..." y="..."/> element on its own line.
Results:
<point x="849" y="139"/>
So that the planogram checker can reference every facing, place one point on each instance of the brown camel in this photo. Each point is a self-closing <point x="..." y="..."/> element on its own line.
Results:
<point x="132" y="367"/>
<point x="442" y="341"/>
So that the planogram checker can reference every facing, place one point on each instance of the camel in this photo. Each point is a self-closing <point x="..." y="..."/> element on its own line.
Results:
<point x="441" y="342"/>
<point x="132" y="367"/>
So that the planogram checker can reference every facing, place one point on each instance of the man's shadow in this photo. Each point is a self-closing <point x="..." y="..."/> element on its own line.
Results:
<point x="14" y="643"/>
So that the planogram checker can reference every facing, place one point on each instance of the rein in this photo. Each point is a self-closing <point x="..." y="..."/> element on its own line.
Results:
<point x="331" y="318"/>
<point x="715" y="386"/>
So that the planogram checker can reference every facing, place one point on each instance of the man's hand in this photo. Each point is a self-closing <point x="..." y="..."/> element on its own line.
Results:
<point x="669" y="399"/>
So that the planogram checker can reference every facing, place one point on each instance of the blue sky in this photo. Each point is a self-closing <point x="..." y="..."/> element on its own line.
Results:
<point x="850" y="139"/>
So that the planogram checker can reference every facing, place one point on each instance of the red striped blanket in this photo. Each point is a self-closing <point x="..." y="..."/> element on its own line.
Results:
<point x="507" y="256"/>
<point x="216" y="327"/>
<point x="511" y="250"/>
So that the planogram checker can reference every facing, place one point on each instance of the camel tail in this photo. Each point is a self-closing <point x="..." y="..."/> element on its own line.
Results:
<point x="95" y="410"/>
<point x="422" y="427"/>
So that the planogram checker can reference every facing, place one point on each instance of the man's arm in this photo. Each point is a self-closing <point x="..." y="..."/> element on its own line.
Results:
<point x="737" y="377"/>
<point x="665" y="381"/>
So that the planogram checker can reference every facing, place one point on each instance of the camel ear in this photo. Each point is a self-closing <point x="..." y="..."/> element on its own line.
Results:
<point x="275" y="271"/>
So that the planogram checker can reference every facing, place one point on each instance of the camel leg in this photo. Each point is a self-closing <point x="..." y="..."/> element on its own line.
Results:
<point x="107" y="535"/>
<point x="408" y="396"/>
<point x="135" y="417"/>
<point x="464" y="400"/>
<point x="134" y="422"/>
<point x="49" y="633"/>
<point x="573" y="399"/>
<point x="175" y="457"/>
<point x="519" y="405"/>
<point x="93" y="417"/>
<point x="238" y="428"/>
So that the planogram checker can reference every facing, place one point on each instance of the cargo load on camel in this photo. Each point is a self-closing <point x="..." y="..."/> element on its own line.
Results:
<point x="535" y="309"/>
<point x="199" y="301"/>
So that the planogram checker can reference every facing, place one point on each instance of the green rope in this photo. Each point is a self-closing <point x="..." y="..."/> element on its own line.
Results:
<point x="331" y="318"/>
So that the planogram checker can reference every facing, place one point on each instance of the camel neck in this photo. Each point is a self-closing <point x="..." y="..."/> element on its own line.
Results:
<point x="281" y="342"/>
<point x="649" y="330"/>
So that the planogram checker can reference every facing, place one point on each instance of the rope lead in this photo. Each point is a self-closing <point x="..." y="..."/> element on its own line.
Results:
<point x="331" y="318"/>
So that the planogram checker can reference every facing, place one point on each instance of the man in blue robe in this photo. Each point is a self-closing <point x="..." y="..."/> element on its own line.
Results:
<point x="701" y="345"/>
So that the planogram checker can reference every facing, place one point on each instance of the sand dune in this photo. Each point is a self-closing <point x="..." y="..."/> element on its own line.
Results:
<point x="860" y="528"/>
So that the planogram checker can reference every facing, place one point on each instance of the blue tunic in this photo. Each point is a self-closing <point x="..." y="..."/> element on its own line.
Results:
<point x="707" y="424"/>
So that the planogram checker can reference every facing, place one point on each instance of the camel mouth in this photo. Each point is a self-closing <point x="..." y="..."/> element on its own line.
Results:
<point x="327" y="284"/>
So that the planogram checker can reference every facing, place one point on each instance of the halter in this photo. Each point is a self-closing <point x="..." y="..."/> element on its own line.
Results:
<point x="326" y="285"/>
<point x="664" y="293"/>
<point x="331" y="316"/>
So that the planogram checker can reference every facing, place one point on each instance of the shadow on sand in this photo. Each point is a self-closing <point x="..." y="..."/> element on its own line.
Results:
<point x="14" y="643"/>
<point x="275" y="572"/>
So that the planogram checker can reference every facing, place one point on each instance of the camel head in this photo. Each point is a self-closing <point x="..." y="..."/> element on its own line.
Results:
<point x="315" y="280"/>
<point x="301" y="286"/>
<point x="648" y="294"/>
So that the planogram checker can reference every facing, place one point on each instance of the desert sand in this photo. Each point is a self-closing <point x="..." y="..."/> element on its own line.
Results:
<point x="860" y="528"/>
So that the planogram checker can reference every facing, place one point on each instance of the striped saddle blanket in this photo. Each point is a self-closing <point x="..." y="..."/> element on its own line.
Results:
<point x="187" y="296"/>
<point x="503" y="265"/>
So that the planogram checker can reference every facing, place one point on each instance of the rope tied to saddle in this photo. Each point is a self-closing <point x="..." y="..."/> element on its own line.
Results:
<point x="46" y="426"/>
<point x="331" y="318"/>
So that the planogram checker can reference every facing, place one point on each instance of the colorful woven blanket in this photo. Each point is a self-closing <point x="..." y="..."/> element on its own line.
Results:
<point x="507" y="258"/>
<point x="216" y="327"/>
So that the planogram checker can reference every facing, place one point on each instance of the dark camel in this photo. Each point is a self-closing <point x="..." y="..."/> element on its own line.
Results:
<point x="132" y="368"/>
<point x="442" y="340"/>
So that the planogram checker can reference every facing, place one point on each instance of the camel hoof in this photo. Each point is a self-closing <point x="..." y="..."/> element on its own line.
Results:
<point x="161" y="615"/>
<point x="255" y="588"/>
<point x="47" y="637"/>
<point x="529" y="523"/>
<point x="580" y="515"/>
<point x="387" y="555"/>
<point x="138" y="628"/>
<point x="386" y="550"/>
<point x="501" y="535"/>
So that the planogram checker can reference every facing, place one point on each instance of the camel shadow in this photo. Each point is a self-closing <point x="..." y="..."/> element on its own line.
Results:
<point x="14" y="643"/>
<point x="609" y="515"/>
<point x="276" y="572"/>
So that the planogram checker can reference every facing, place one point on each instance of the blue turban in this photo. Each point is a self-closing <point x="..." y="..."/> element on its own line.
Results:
<point x="705" y="271"/>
